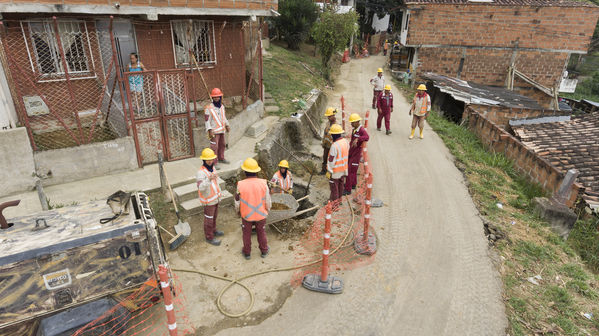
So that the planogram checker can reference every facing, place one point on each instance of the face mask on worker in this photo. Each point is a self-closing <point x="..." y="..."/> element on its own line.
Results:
<point x="283" y="172"/>
<point x="217" y="102"/>
<point x="210" y="167"/>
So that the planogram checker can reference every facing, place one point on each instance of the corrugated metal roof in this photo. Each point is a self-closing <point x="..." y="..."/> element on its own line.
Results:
<point x="533" y="3"/>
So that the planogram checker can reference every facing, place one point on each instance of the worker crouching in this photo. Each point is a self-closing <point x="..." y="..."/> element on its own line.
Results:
<point x="338" y="162"/>
<point x="359" y="136"/>
<point x="282" y="180"/>
<point x="252" y="200"/>
<point x="209" y="193"/>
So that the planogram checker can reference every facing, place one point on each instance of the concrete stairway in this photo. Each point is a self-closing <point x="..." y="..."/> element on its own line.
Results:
<point x="187" y="196"/>
<point x="270" y="105"/>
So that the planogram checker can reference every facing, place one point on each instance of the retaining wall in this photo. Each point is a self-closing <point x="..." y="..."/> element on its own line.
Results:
<point x="86" y="161"/>
<point x="17" y="167"/>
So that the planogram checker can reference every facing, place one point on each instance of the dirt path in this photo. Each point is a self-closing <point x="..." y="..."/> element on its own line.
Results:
<point x="432" y="274"/>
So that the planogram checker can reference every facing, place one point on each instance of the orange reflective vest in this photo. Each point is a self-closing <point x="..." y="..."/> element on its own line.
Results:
<point x="216" y="114"/>
<point x="283" y="182"/>
<point x="214" y="193"/>
<point x="341" y="158"/>
<point x="252" y="199"/>
<point x="426" y="103"/>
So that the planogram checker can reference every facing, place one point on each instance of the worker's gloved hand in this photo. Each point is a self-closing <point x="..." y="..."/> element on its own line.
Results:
<point x="328" y="175"/>
<point x="210" y="134"/>
<point x="227" y="128"/>
<point x="290" y="191"/>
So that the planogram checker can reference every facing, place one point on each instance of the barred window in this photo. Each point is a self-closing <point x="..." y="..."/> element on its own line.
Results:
<point x="47" y="52"/>
<point x="194" y="35"/>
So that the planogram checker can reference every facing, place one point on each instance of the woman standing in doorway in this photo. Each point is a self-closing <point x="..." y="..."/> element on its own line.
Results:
<point x="136" y="83"/>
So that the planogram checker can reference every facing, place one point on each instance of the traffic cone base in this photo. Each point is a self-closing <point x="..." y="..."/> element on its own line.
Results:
<point x="367" y="247"/>
<point x="313" y="282"/>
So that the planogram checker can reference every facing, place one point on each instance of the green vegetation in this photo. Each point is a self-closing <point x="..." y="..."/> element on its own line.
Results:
<point x="566" y="289"/>
<point x="287" y="79"/>
<point x="297" y="16"/>
<point x="332" y="33"/>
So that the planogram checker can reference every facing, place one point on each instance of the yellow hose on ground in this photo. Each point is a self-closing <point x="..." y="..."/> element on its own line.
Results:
<point x="252" y="298"/>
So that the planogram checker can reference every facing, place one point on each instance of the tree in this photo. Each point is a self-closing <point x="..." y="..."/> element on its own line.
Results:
<point x="332" y="33"/>
<point x="297" y="16"/>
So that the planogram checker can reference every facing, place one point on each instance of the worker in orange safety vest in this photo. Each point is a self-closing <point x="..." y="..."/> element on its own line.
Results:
<point x="421" y="105"/>
<point x="337" y="167"/>
<point x="209" y="194"/>
<point x="216" y="125"/>
<point x="253" y="202"/>
<point x="282" y="180"/>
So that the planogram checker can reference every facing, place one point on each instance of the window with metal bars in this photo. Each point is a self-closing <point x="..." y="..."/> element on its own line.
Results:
<point x="196" y="36"/>
<point x="47" y="52"/>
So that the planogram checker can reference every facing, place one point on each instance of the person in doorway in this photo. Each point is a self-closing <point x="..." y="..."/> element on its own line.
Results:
<point x="385" y="47"/>
<point x="421" y="105"/>
<point x="209" y="193"/>
<point x="384" y="109"/>
<point x="337" y="164"/>
<point x="327" y="140"/>
<point x="252" y="201"/>
<point x="216" y="125"/>
<point x="136" y="82"/>
<point x="379" y="83"/>
<point x="282" y="180"/>
<point x="359" y="136"/>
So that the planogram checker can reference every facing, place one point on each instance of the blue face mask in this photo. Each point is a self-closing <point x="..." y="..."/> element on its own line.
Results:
<point x="217" y="103"/>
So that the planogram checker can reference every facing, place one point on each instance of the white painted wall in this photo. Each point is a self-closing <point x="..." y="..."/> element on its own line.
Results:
<point x="403" y="35"/>
<point x="380" y="25"/>
<point x="8" y="114"/>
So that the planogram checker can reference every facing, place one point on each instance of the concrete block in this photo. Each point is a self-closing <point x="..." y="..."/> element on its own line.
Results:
<point x="86" y="161"/>
<point x="269" y="101"/>
<point x="271" y="109"/>
<point x="256" y="129"/>
<point x="16" y="162"/>
<point x="560" y="217"/>
<point x="193" y="206"/>
<point x="267" y="95"/>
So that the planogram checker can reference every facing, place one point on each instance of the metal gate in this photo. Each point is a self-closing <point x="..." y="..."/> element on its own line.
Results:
<point x="160" y="115"/>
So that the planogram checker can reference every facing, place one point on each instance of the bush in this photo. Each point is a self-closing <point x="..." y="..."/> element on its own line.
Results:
<point x="584" y="238"/>
<point x="297" y="16"/>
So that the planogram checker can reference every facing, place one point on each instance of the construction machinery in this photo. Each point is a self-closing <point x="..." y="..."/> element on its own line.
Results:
<point x="62" y="268"/>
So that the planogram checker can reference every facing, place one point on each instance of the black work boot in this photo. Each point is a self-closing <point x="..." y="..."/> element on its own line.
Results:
<point x="214" y="242"/>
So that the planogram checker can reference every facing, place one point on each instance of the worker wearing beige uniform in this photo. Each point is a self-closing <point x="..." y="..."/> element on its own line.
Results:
<point x="209" y="194"/>
<point x="216" y="125"/>
<point x="421" y="106"/>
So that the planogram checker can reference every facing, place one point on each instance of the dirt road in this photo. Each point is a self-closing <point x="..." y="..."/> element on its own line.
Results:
<point x="432" y="274"/>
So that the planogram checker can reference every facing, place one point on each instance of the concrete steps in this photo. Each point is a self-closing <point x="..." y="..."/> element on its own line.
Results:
<point x="193" y="206"/>
<point x="270" y="105"/>
<point x="189" y="190"/>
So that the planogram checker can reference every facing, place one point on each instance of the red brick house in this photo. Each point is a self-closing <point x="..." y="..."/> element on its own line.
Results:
<point x="519" y="44"/>
<point x="66" y="63"/>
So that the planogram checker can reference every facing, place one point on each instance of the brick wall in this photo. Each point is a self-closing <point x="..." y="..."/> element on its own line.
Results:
<point x="490" y="67"/>
<point x="501" y="116"/>
<point x="237" y="4"/>
<point x="566" y="28"/>
<point x="525" y="160"/>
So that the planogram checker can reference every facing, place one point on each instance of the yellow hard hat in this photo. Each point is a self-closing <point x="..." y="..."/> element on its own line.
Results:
<point x="208" y="154"/>
<point x="354" y="117"/>
<point x="336" y="129"/>
<point x="284" y="164"/>
<point x="380" y="70"/>
<point x="388" y="87"/>
<point x="395" y="42"/>
<point x="421" y="87"/>
<point x="250" y="165"/>
<point x="330" y="112"/>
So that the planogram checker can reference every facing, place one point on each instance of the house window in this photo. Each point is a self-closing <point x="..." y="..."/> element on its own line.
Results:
<point x="196" y="36"/>
<point x="47" y="52"/>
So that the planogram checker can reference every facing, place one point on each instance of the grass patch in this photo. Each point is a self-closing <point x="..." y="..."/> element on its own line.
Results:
<point x="566" y="287"/>
<point x="286" y="79"/>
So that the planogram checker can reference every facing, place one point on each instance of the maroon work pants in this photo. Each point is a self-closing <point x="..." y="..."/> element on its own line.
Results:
<point x="375" y="96"/>
<point x="217" y="144"/>
<point x="352" y="176"/>
<point x="210" y="214"/>
<point x="379" y="119"/>
<point x="246" y="227"/>
<point x="336" y="188"/>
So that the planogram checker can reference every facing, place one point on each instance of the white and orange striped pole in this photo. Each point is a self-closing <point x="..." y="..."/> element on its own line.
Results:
<point x="324" y="272"/>
<point x="367" y="204"/>
<point x="342" y="112"/>
<point x="168" y="300"/>
<point x="366" y="117"/>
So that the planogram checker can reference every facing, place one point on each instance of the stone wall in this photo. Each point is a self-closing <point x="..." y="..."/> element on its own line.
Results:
<point x="525" y="160"/>
<point x="17" y="167"/>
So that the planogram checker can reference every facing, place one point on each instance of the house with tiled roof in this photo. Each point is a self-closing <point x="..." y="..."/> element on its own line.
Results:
<point x="567" y="144"/>
<point x="523" y="45"/>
